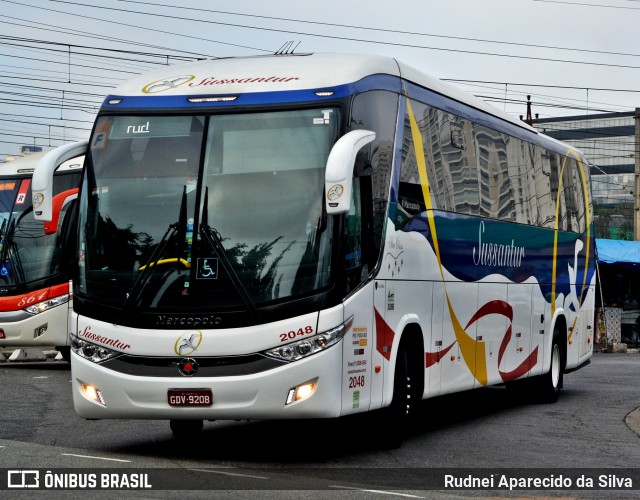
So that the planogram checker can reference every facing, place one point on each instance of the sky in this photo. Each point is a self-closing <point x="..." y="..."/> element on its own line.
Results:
<point x="60" y="58"/>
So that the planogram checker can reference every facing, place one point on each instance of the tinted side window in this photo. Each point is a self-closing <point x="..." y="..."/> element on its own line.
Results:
<point x="497" y="195"/>
<point x="574" y="197"/>
<point x="476" y="170"/>
<point x="450" y="161"/>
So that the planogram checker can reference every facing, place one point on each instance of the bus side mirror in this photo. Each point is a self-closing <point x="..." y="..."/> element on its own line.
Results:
<point x="338" y="177"/>
<point x="59" y="202"/>
<point x="42" y="181"/>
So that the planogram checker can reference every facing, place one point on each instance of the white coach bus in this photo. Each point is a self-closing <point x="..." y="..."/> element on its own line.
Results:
<point x="34" y="266"/>
<point x="320" y="235"/>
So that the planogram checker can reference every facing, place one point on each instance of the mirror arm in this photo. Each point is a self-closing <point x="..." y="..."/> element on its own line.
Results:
<point x="42" y="181"/>
<point x="339" y="172"/>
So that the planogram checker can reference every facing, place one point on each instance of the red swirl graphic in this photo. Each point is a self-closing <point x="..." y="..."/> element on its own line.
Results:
<point x="504" y="309"/>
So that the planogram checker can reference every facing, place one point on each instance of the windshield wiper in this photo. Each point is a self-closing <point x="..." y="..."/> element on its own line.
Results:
<point x="4" y="241"/>
<point x="177" y="230"/>
<point x="213" y="238"/>
<point x="9" y="252"/>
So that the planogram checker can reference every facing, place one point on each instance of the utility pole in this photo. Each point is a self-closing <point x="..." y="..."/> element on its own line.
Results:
<point x="636" y="191"/>
<point x="529" y="119"/>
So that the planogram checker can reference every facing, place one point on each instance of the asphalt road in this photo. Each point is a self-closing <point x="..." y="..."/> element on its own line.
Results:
<point x="488" y="430"/>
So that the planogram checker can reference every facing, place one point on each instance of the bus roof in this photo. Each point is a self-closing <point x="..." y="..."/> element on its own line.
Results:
<point x="295" y="72"/>
<point x="26" y="164"/>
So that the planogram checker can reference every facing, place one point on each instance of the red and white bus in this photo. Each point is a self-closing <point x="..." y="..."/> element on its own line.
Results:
<point x="320" y="235"/>
<point x="34" y="273"/>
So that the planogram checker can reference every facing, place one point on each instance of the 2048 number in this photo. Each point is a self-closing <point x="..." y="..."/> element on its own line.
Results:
<point x="301" y="332"/>
<point x="355" y="382"/>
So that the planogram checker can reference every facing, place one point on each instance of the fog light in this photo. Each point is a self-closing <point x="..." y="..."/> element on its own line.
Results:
<point x="38" y="332"/>
<point x="92" y="393"/>
<point x="301" y="392"/>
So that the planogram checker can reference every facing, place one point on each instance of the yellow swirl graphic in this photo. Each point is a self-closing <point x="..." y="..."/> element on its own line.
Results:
<point x="468" y="345"/>
<point x="574" y="154"/>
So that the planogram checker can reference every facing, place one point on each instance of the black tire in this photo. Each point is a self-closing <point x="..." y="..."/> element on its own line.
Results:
<point x="403" y="401"/>
<point x="186" y="429"/>
<point x="396" y="417"/>
<point x="548" y="385"/>
<point x="65" y="351"/>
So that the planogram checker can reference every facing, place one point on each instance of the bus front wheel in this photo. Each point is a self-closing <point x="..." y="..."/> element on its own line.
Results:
<point x="65" y="352"/>
<point x="396" y="416"/>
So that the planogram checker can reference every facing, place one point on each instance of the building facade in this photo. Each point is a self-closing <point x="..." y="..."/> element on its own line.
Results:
<point x="609" y="142"/>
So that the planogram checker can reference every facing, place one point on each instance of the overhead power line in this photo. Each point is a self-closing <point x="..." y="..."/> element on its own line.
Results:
<point x="47" y="89"/>
<point x="4" y="120"/>
<point x="368" y="28"/>
<point x="90" y="47"/>
<point x="589" y="4"/>
<point x="513" y="84"/>
<point x="500" y="93"/>
<point x="48" y="118"/>
<point x="66" y="63"/>
<point x="351" y="39"/>
<point x="65" y="82"/>
<point x="86" y="34"/>
<point x="112" y="22"/>
<point x="44" y="72"/>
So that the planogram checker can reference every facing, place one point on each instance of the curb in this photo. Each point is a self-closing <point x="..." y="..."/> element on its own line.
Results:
<point x="633" y="421"/>
<point x="23" y="355"/>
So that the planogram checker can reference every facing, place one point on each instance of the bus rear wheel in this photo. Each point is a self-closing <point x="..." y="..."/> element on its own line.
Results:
<point x="549" y="385"/>
<point x="185" y="429"/>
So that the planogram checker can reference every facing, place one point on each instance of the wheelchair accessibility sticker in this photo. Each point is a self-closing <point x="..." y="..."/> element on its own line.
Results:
<point x="207" y="268"/>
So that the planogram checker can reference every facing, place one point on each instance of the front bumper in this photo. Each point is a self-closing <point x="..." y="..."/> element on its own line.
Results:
<point x="253" y="396"/>
<point x="19" y="328"/>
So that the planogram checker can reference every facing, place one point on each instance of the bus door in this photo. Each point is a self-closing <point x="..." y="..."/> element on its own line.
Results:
<point x="359" y="342"/>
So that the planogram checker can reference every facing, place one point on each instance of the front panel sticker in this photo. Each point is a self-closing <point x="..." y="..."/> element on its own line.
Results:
<point x="207" y="268"/>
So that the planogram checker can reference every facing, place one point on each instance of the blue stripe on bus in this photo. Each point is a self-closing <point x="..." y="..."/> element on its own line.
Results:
<point x="373" y="82"/>
<point x="157" y="102"/>
<point x="475" y="252"/>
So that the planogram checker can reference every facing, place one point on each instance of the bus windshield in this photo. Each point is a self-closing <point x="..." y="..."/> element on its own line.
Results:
<point x="220" y="212"/>
<point x="27" y="254"/>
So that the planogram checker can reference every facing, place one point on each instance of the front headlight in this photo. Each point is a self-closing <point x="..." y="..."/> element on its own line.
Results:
<point x="310" y="345"/>
<point x="92" y="352"/>
<point x="47" y="304"/>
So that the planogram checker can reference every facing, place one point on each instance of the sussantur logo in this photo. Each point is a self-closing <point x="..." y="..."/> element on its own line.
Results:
<point x="188" y="343"/>
<point x="166" y="84"/>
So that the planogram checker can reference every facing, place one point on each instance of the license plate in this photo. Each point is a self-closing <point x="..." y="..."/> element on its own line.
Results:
<point x="190" y="397"/>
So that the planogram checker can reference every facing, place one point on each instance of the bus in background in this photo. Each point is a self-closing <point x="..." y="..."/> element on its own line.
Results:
<point x="34" y="273"/>
<point x="320" y="235"/>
